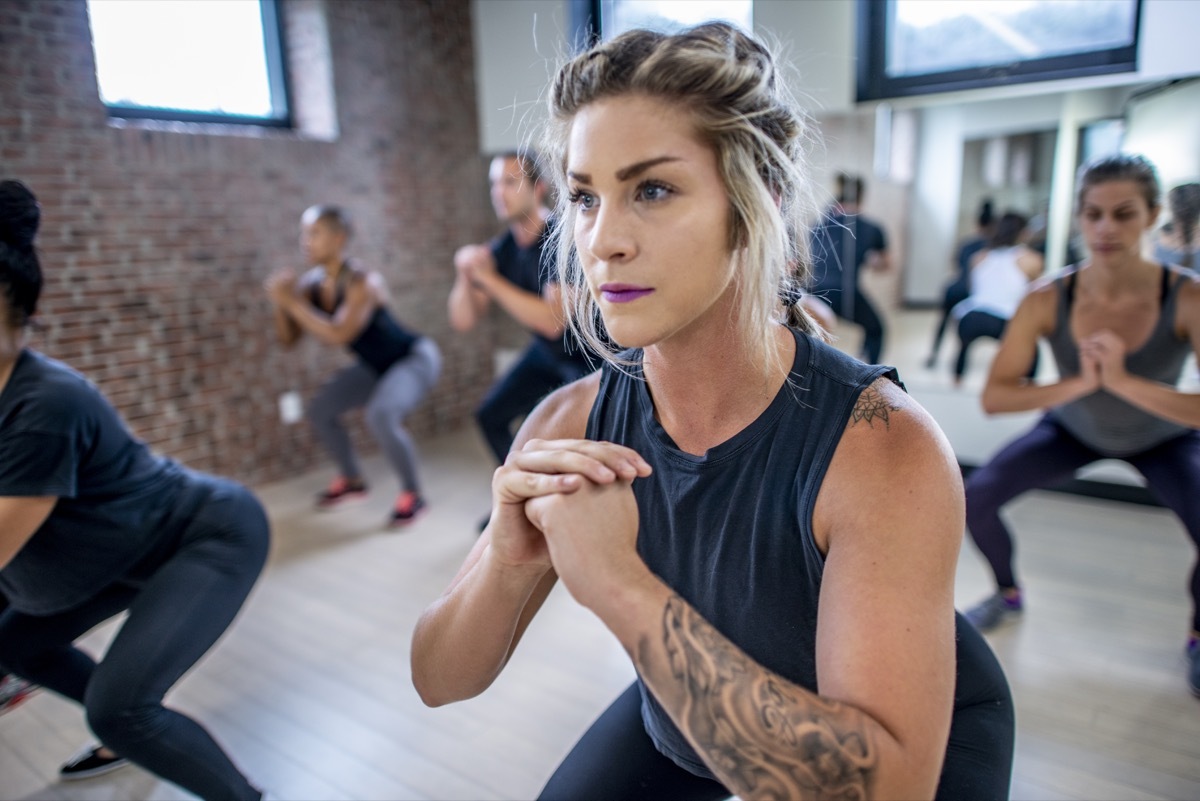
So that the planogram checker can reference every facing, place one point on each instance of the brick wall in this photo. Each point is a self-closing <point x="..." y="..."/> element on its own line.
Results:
<point x="156" y="237"/>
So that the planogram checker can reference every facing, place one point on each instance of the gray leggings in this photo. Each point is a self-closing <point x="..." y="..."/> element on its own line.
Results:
<point x="388" y="399"/>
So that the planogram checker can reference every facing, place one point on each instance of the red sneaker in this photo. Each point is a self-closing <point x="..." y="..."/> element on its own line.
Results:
<point x="341" y="490"/>
<point x="409" y="506"/>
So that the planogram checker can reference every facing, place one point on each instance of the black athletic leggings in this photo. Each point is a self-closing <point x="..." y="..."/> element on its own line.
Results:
<point x="615" y="760"/>
<point x="975" y="325"/>
<point x="176" y="613"/>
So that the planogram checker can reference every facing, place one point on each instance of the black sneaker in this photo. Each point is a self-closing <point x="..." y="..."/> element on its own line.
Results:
<point x="88" y="763"/>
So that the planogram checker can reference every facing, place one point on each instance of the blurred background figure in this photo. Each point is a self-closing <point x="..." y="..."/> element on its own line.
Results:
<point x="1177" y="242"/>
<point x="959" y="287"/>
<point x="998" y="279"/>
<point x="842" y="244"/>
<point x="341" y="304"/>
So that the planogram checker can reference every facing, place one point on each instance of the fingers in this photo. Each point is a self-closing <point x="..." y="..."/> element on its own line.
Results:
<point x="511" y="485"/>
<point x="547" y="467"/>
<point x="601" y="462"/>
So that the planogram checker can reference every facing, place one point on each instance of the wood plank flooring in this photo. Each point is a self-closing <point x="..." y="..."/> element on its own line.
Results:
<point x="310" y="692"/>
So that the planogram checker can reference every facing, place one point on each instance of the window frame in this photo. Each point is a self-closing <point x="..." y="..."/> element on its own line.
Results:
<point x="873" y="83"/>
<point x="277" y="81"/>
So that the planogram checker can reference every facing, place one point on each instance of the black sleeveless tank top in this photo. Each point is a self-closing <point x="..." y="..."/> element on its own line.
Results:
<point x="382" y="342"/>
<point x="731" y="531"/>
<point x="1101" y="420"/>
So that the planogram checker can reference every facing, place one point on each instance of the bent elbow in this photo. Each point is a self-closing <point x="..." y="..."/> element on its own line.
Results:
<point x="428" y="695"/>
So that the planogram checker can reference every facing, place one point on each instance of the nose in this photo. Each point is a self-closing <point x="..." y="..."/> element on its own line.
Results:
<point x="610" y="237"/>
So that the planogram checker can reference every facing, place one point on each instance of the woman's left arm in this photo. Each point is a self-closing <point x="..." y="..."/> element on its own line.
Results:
<point x="340" y="328"/>
<point x="1162" y="400"/>
<point x="890" y="513"/>
<point x="20" y="518"/>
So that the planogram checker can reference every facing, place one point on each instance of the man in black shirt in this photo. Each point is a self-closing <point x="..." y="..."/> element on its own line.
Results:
<point x="509" y="271"/>
<point x="842" y="244"/>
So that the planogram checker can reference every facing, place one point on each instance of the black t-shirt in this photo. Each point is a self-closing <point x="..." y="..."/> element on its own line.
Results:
<point x="531" y="269"/>
<point x="840" y="244"/>
<point x="60" y="437"/>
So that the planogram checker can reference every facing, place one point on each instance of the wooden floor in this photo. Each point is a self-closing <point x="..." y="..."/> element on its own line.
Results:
<point x="310" y="690"/>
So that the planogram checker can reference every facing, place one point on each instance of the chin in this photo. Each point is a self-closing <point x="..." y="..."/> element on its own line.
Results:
<point x="632" y="333"/>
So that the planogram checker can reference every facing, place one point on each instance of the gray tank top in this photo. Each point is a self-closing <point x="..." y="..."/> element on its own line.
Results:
<point x="1102" y="421"/>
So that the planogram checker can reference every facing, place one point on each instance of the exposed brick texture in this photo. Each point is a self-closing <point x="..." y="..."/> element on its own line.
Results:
<point x="156" y="238"/>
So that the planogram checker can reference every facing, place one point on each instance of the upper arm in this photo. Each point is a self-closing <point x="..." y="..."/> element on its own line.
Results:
<point x="355" y="312"/>
<point x="20" y="518"/>
<point x="1187" y="311"/>
<point x="890" y="511"/>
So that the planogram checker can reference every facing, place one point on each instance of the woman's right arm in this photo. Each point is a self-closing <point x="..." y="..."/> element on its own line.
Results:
<point x="465" y="638"/>
<point x="1008" y="389"/>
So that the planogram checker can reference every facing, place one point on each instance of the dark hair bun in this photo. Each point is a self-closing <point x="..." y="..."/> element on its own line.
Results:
<point x="20" y="215"/>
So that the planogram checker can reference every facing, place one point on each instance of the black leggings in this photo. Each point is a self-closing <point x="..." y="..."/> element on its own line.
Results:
<point x="615" y="759"/>
<point x="858" y="310"/>
<point x="975" y="325"/>
<point x="1049" y="454"/>
<point x="175" y="615"/>
<point x="535" y="375"/>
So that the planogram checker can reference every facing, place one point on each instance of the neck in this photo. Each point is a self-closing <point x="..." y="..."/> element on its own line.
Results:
<point x="706" y="389"/>
<point x="332" y="266"/>
<point x="527" y="229"/>
<point x="1120" y="270"/>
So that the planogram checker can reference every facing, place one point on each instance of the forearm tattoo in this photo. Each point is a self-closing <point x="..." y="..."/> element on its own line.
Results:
<point x="761" y="736"/>
<point x="871" y="406"/>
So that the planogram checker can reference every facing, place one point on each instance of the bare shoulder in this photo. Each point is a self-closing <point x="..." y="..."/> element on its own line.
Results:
<point x="310" y="278"/>
<point x="892" y="458"/>
<point x="884" y="415"/>
<point x="563" y="414"/>
<point x="1046" y="287"/>
<point x="1188" y="303"/>
<point x="1189" y="284"/>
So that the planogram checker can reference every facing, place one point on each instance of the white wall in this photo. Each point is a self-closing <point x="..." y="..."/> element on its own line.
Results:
<point x="518" y="45"/>
<point x="519" y="42"/>
<point x="1165" y="127"/>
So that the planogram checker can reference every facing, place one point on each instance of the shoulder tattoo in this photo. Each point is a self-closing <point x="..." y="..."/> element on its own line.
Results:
<point x="872" y="405"/>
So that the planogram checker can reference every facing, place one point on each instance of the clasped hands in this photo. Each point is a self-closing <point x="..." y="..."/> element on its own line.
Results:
<point x="569" y="504"/>
<point x="475" y="264"/>
<point x="1102" y="359"/>
<point x="280" y="287"/>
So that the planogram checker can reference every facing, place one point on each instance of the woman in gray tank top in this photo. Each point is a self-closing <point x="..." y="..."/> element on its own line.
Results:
<point x="1121" y="328"/>
<point x="723" y="494"/>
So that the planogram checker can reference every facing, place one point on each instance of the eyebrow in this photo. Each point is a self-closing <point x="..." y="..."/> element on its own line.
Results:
<point x="625" y="173"/>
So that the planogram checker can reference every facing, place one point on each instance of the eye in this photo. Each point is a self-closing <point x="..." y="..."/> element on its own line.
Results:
<point x="653" y="191"/>
<point x="584" y="200"/>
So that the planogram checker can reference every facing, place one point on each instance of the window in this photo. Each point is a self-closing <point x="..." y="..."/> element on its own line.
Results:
<point x="910" y="47"/>
<point x="670" y="16"/>
<point x="193" y="60"/>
